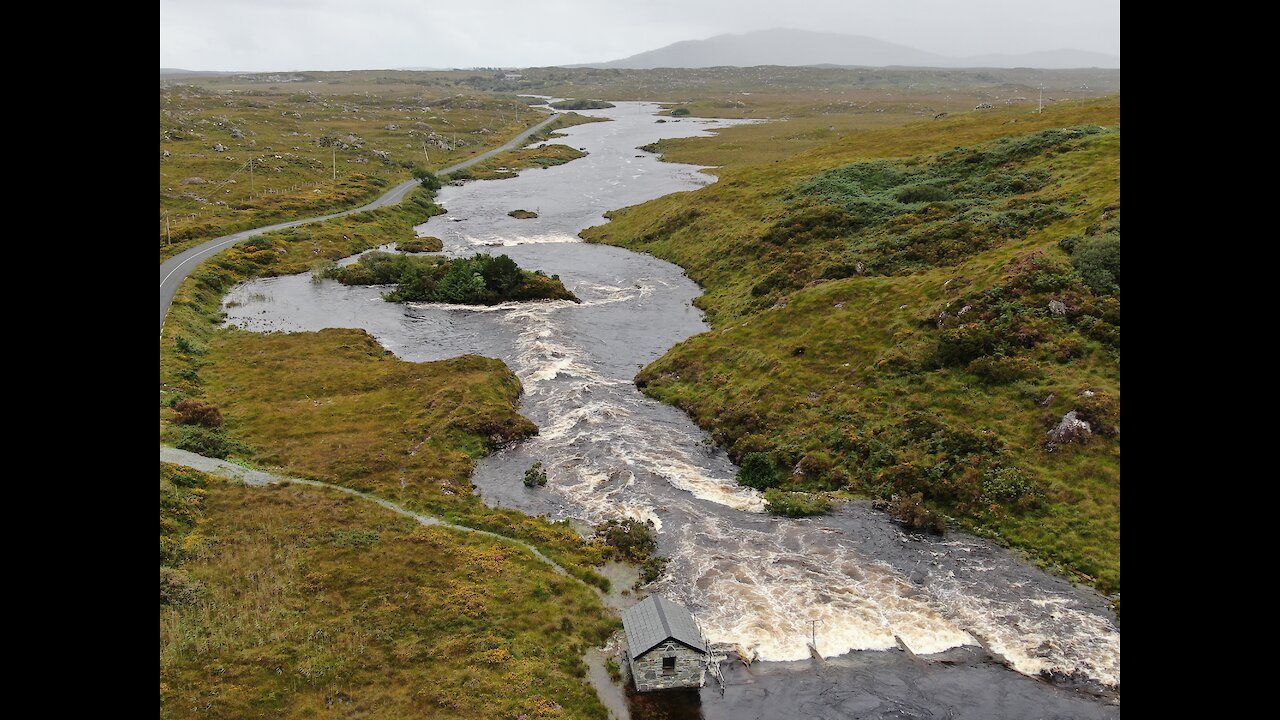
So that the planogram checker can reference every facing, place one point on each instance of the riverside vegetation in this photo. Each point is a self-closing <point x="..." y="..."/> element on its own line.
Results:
<point x="478" y="280"/>
<point x="290" y="601"/>
<point x="535" y="154"/>
<point x="904" y="313"/>
<point x="388" y="637"/>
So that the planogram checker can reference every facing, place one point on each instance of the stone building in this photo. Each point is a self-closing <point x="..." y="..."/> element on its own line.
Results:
<point x="665" y="649"/>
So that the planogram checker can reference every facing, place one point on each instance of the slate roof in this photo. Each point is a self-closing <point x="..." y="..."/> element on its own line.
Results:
<point x="656" y="619"/>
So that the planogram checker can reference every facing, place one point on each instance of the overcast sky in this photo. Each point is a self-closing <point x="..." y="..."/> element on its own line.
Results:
<point x="368" y="34"/>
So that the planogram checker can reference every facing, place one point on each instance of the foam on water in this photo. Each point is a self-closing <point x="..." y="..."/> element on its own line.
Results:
<point x="609" y="452"/>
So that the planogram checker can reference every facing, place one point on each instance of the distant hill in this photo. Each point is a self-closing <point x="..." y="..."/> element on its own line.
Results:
<point x="802" y="47"/>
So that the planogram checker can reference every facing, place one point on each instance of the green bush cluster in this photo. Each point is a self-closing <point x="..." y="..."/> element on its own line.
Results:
<point x="628" y="539"/>
<point x="652" y="568"/>
<point x="535" y="476"/>
<point x="478" y="280"/>
<point x="890" y="218"/>
<point x="427" y="179"/>
<point x="207" y="441"/>
<point x="759" y="470"/>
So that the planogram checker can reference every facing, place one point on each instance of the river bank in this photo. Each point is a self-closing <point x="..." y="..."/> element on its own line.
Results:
<point x="609" y="451"/>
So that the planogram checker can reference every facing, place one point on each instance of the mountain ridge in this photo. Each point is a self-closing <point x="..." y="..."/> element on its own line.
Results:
<point x="790" y="47"/>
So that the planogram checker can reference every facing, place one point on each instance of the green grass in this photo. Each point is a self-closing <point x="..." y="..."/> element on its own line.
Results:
<point x="380" y="437"/>
<point x="294" y="602"/>
<point x="420" y="245"/>
<point x="849" y="376"/>
<point x="507" y="164"/>
<point x="581" y="104"/>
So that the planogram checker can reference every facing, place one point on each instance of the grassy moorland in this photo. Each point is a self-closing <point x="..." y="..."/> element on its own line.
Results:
<point x="904" y="312"/>
<point x="334" y="405"/>
<point x="795" y="92"/>
<point x="295" y="602"/>
<point x="241" y="152"/>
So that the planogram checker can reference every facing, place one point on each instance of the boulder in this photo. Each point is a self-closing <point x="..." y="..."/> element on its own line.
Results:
<point x="1070" y="429"/>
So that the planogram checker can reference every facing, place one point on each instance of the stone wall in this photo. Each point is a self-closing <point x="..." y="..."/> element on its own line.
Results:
<point x="648" y="674"/>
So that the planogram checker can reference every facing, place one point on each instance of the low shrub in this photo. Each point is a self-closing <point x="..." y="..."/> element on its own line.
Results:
<point x="178" y="588"/>
<point x="652" y="569"/>
<point x="1102" y="412"/>
<point x="1001" y="369"/>
<point x="628" y="539"/>
<point x="911" y="511"/>
<point x="535" y="476"/>
<point x="796" y="504"/>
<point x="1010" y="486"/>
<point x="758" y="470"/>
<point x="206" y="441"/>
<point x="1097" y="259"/>
<point x="196" y="412"/>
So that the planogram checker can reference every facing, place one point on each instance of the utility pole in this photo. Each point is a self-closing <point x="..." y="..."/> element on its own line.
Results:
<point x="335" y="164"/>
<point x="1041" y="108"/>
<point x="250" y="176"/>
<point x="813" y="633"/>
<point x="168" y="239"/>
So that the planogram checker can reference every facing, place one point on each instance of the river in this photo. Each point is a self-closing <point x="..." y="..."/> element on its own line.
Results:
<point x="941" y="608"/>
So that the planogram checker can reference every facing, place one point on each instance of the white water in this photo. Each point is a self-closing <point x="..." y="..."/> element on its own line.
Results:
<point x="750" y="578"/>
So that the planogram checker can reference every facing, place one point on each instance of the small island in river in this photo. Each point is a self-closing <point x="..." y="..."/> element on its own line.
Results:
<point x="478" y="280"/>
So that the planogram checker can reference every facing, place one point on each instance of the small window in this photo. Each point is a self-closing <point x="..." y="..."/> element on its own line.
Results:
<point x="668" y="666"/>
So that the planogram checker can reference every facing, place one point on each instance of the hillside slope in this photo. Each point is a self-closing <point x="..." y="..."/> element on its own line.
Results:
<point x="791" y="47"/>
<point x="906" y="313"/>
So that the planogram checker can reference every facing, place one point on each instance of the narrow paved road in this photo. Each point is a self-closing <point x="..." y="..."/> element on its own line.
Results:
<point x="176" y="269"/>
<point x="258" y="478"/>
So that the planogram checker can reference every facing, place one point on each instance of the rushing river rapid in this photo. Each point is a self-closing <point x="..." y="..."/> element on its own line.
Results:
<point x="852" y="578"/>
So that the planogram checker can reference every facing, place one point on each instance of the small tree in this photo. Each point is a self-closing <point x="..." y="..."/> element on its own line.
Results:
<point x="759" y="471"/>
<point x="535" y="476"/>
<point x="501" y="275"/>
<point x="427" y="179"/>
<point x="461" y="284"/>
